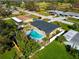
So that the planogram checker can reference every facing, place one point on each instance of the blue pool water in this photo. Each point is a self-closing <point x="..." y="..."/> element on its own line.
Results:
<point x="35" y="35"/>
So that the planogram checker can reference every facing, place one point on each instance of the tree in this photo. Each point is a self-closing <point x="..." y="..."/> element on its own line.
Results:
<point x="60" y="39"/>
<point x="5" y="12"/>
<point x="7" y="30"/>
<point x="22" y="5"/>
<point x="75" y="26"/>
<point x="42" y="6"/>
<point x="31" y="5"/>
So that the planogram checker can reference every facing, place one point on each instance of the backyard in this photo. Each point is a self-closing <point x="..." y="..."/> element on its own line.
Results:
<point x="55" y="50"/>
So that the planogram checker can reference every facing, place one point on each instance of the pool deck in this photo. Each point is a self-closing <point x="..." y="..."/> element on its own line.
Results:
<point x="34" y="34"/>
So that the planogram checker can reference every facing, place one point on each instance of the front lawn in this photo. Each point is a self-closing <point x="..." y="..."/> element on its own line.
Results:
<point x="62" y="25"/>
<point x="55" y="50"/>
<point x="73" y="20"/>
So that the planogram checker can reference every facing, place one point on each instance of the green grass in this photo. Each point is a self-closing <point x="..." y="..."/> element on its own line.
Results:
<point x="62" y="25"/>
<point x="33" y="16"/>
<point x="43" y="13"/>
<point x="8" y="54"/>
<point x="10" y="21"/>
<point x="20" y="40"/>
<point x="67" y="27"/>
<point x="55" y="50"/>
<point x="73" y="20"/>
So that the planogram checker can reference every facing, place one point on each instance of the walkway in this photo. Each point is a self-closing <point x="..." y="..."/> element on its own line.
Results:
<point x="53" y="38"/>
<point x="18" y="50"/>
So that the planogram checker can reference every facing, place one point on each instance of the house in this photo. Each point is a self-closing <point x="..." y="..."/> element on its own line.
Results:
<point x="61" y="13"/>
<point x="57" y="12"/>
<point x="76" y="5"/>
<point x="45" y="27"/>
<point x="72" y="14"/>
<point x="24" y="19"/>
<point x="16" y="19"/>
<point x="15" y="12"/>
<point x="72" y="39"/>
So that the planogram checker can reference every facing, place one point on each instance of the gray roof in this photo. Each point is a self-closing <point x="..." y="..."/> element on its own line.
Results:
<point x="56" y="11"/>
<point x="45" y="26"/>
<point x="70" y="34"/>
<point x="72" y="38"/>
<point x="75" y="40"/>
<point x="64" y="13"/>
<point x="72" y="13"/>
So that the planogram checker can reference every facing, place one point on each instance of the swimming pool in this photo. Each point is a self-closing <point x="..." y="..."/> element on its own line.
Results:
<point x="33" y="34"/>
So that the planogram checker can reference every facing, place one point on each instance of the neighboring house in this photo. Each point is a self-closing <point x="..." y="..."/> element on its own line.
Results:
<point x="56" y="12"/>
<point x="24" y="19"/>
<point x="45" y="27"/>
<point x="72" y="38"/>
<point x="76" y="5"/>
<point x="64" y="13"/>
<point x="15" y="12"/>
<point x="16" y="19"/>
<point x="72" y="14"/>
<point x="60" y="18"/>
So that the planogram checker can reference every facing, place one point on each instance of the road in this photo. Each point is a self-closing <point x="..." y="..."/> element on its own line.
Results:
<point x="59" y="19"/>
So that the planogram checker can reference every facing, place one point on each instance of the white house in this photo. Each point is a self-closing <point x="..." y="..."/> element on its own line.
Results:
<point x="16" y="19"/>
<point x="22" y="18"/>
<point x="72" y="38"/>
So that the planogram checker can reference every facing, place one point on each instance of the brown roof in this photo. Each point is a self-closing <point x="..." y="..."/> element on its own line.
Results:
<point x="76" y="5"/>
<point x="23" y="17"/>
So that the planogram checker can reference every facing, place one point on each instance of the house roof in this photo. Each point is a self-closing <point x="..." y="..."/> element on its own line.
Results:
<point x="23" y="17"/>
<point x="56" y="11"/>
<point x="45" y="26"/>
<point x="76" y="5"/>
<point x="59" y="18"/>
<point x="71" y="13"/>
<point x="16" y="19"/>
<point x="75" y="40"/>
<point x="64" y="13"/>
<point x="70" y="34"/>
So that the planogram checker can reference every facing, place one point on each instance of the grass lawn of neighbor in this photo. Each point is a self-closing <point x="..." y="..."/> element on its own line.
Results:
<point x="73" y="20"/>
<point x="55" y="50"/>
<point x="62" y="25"/>
<point x="8" y="54"/>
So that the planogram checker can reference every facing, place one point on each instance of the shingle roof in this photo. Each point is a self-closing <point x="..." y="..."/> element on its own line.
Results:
<point x="46" y="27"/>
<point x="23" y="17"/>
<point x="76" y="5"/>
